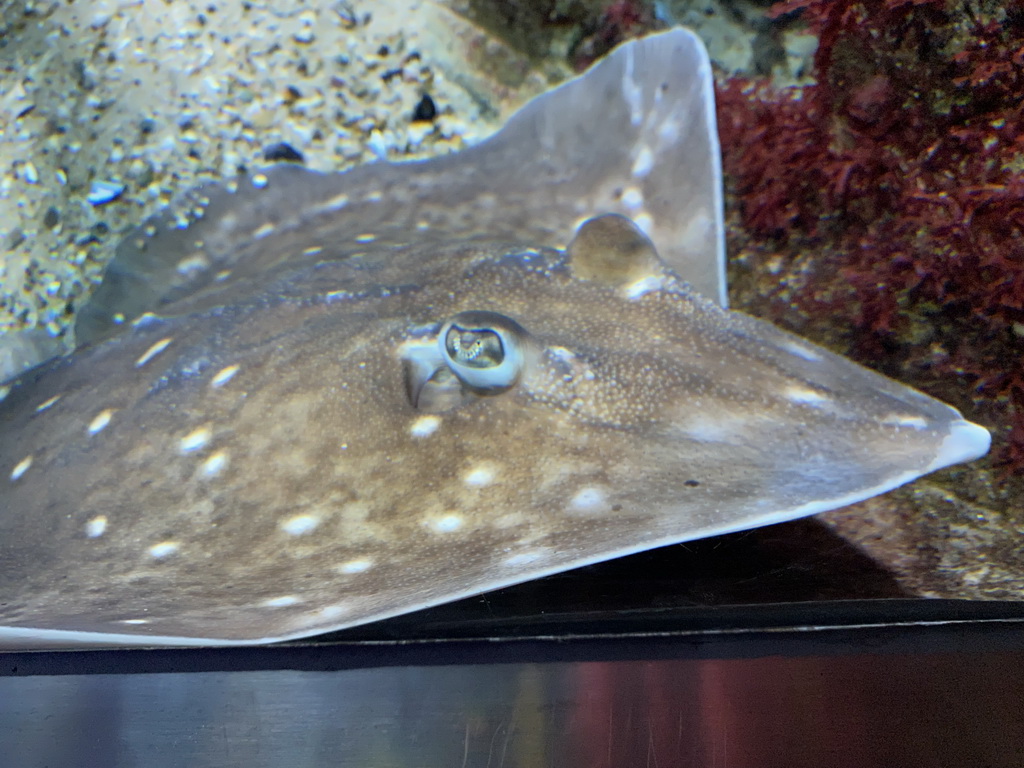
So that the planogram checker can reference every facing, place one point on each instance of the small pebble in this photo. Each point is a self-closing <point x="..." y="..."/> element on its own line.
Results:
<point x="425" y="110"/>
<point x="378" y="144"/>
<point x="103" y="192"/>
<point x="283" y="152"/>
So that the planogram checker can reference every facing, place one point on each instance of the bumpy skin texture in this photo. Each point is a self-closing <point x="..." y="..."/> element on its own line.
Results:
<point x="244" y="461"/>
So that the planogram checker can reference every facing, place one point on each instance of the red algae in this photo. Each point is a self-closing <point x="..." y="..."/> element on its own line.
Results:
<point x="891" y="193"/>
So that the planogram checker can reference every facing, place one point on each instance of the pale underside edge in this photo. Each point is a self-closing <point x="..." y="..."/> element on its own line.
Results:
<point x="965" y="442"/>
<point x="26" y="638"/>
<point x="718" y="187"/>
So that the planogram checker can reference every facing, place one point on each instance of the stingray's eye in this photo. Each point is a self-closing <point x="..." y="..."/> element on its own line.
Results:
<point x="484" y="350"/>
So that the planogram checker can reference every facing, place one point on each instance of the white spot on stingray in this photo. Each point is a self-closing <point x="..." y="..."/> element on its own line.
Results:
<point x="668" y="132"/>
<point x="804" y="395"/>
<point x="215" y="464"/>
<point x="300" y="524"/>
<point x="194" y="440"/>
<point x="589" y="500"/>
<point x="528" y="557"/>
<point x="280" y="602"/>
<point x="336" y="203"/>
<point x="479" y="476"/>
<point x="153" y="351"/>
<point x="367" y="237"/>
<point x="313" y="250"/>
<point x="425" y="426"/>
<point x="633" y="199"/>
<point x="645" y="222"/>
<point x="46" y="403"/>
<point x="21" y="468"/>
<point x="263" y="230"/>
<point x="196" y="263"/>
<point x="445" y="523"/>
<point x="720" y="429"/>
<point x="643" y="286"/>
<point x="259" y="180"/>
<point x="801" y="351"/>
<point x="134" y="621"/>
<point x="101" y="421"/>
<point x="96" y="527"/>
<point x="644" y="163"/>
<point x="146" y="318"/>
<point x="329" y="612"/>
<point x="904" y="420"/>
<point x="163" y="549"/>
<point x="631" y="92"/>
<point x="4" y="392"/>
<point x="375" y="197"/>
<point x="509" y="520"/>
<point x="359" y="565"/>
<point x="224" y="375"/>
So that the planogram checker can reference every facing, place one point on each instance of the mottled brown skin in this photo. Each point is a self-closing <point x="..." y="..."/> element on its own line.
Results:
<point x="243" y="462"/>
<point x="317" y="422"/>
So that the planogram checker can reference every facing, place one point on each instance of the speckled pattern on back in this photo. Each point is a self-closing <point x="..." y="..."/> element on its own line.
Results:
<point x="349" y="396"/>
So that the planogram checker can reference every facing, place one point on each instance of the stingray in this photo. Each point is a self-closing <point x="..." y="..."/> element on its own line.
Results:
<point x="312" y="401"/>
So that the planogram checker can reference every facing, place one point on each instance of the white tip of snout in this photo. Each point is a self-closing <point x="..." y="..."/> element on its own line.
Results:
<point x="965" y="442"/>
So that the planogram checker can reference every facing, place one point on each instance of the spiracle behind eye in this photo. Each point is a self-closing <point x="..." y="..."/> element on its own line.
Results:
<point x="484" y="350"/>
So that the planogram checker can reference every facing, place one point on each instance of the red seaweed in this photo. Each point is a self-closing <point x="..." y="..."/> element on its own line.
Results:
<point x="902" y="168"/>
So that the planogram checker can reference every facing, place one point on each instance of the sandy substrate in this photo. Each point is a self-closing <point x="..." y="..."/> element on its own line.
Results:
<point x="111" y="109"/>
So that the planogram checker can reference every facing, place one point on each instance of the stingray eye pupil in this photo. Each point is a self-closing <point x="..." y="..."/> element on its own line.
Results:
<point x="484" y="350"/>
<point x="477" y="348"/>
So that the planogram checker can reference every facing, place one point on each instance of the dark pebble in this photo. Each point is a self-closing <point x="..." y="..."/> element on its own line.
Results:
<point x="283" y="153"/>
<point x="425" y="111"/>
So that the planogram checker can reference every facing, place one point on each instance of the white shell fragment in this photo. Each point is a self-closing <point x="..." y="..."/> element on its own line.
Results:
<point x="102" y="192"/>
